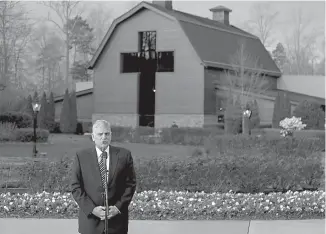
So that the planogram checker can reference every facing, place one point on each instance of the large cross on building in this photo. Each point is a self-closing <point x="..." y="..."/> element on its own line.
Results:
<point x="146" y="62"/>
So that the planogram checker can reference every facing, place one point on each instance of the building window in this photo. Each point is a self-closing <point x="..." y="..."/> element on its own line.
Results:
<point x="165" y="61"/>
<point x="129" y="62"/>
<point x="147" y="58"/>
<point x="147" y="41"/>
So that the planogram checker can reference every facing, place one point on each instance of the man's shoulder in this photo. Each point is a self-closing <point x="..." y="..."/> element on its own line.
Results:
<point x="85" y="151"/>
<point x="122" y="150"/>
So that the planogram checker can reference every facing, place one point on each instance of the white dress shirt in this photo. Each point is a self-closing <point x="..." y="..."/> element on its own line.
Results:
<point x="99" y="158"/>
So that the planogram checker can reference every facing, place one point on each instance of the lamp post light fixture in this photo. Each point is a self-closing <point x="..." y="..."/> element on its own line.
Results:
<point x="36" y="109"/>
<point x="247" y="113"/>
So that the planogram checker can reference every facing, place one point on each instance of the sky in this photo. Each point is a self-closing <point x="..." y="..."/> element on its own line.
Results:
<point x="314" y="12"/>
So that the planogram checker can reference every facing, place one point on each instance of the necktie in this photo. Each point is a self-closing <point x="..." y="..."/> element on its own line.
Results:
<point x="102" y="168"/>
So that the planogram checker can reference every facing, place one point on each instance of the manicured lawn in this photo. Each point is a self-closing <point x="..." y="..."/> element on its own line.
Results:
<point x="60" y="144"/>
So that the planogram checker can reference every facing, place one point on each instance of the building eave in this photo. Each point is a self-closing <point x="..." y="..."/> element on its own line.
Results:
<point x="78" y="94"/>
<point x="212" y="64"/>
<point x="119" y="20"/>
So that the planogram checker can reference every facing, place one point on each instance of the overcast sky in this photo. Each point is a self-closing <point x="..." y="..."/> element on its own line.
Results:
<point x="313" y="11"/>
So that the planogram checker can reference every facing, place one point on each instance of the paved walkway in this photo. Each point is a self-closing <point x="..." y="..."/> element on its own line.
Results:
<point x="69" y="226"/>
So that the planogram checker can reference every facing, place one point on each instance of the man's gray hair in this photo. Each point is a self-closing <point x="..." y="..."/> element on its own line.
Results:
<point x="101" y="123"/>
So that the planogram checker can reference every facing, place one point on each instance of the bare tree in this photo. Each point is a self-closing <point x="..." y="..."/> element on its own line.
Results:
<point x="100" y="19"/>
<point x="245" y="80"/>
<point x="15" y="29"/>
<point x="301" y="43"/>
<point x="65" y="10"/>
<point x="262" y="22"/>
<point x="48" y="49"/>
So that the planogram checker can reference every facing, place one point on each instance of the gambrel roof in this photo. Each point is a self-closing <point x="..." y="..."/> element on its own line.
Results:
<point x="214" y="42"/>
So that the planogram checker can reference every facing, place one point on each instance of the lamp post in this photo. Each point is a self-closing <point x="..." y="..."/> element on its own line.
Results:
<point x="245" y="123"/>
<point x="36" y="109"/>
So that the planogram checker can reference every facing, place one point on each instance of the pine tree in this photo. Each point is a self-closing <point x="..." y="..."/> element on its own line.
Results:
<point x="287" y="106"/>
<point x="277" y="112"/>
<point x="29" y="109"/>
<point x="41" y="118"/>
<point x="65" y="114"/>
<point x="51" y="113"/>
<point x="237" y="116"/>
<point x="73" y="112"/>
<point x="255" y="118"/>
<point x="35" y="97"/>
<point x="282" y="108"/>
<point x="228" y="114"/>
<point x="29" y="106"/>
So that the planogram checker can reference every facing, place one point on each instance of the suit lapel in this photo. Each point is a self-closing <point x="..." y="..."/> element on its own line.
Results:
<point x="114" y="158"/>
<point x="95" y="165"/>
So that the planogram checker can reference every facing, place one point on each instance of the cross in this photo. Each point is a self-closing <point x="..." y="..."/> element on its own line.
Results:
<point x="147" y="58"/>
<point x="147" y="61"/>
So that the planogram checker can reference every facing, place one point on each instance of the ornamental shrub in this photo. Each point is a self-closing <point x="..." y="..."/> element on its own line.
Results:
<point x="311" y="114"/>
<point x="27" y="135"/>
<point x="282" y="108"/>
<point x="65" y="114"/>
<point x="238" y="163"/>
<point x="22" y="120"/>
<point x="47" y="175"/>
<point x="255" y="118"/>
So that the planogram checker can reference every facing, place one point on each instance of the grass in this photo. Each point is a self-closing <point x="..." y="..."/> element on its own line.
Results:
<point x="59" y="145"/>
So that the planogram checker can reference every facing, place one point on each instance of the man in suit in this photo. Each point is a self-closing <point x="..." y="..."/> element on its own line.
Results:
<point x="88" y="184"/>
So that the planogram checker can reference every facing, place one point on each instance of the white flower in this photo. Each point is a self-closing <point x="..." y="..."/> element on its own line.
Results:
<point x="6" y="208"/>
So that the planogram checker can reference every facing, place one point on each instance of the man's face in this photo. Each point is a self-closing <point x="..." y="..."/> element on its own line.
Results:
<point x="102" y="136"/>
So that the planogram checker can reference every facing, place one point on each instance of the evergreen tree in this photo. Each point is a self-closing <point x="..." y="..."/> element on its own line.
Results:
<point x="277" y="112"/>
<point x="287" y="106"/>
<point x="255" y="118"/>
<point x="237" y="117"/>
<point x="73" y="112"/>
<point x="29" y="106"/>
<point x="41" y="118"/>
<point x="51" y="113"/>
<point x="228" y="114"/>
<point x="311" y="114"/>
<point x="282" y="108"/>
<point x="65" y="114"/>
<point x="35" y="97"/>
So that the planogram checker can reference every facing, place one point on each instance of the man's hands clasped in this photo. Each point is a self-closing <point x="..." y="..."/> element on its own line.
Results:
<point x="99" y="212"/>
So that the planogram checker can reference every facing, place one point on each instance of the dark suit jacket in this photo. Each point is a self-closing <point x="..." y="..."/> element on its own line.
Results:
<point x="86" y="189"/>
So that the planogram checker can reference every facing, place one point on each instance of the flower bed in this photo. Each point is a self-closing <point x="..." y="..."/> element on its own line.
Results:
<point x="162" y="205"/>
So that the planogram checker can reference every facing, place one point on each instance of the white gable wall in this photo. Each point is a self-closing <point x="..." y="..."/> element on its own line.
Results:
<point x="179" y="95"/>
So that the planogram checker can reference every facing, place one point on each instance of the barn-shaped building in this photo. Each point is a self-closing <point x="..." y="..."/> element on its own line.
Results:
<point x="157" y="66"/>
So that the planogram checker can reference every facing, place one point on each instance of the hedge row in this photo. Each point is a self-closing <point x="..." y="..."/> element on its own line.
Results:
<point x="239" y="164"/>
<point x="21" y="120"/>
<point x="24" y="135"/>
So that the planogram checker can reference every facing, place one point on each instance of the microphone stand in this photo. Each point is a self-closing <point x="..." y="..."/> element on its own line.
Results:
<point x="105" y="195"/>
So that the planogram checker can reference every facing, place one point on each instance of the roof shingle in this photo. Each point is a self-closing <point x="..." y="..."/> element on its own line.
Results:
<point x="216" y="42"/>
